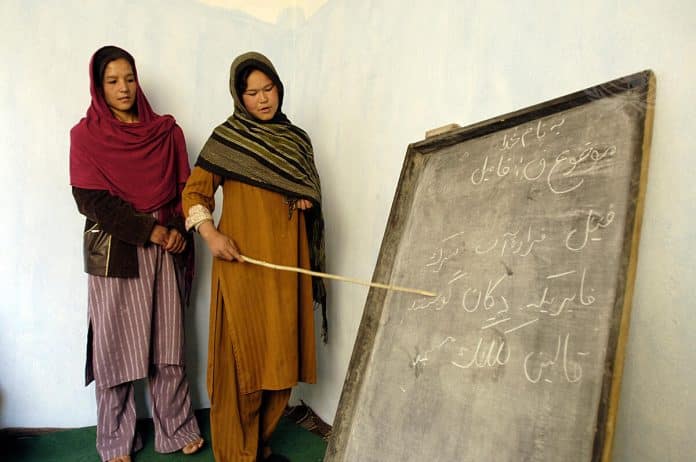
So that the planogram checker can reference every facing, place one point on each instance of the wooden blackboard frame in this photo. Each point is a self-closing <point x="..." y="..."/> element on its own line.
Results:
<point x="644" y="82"/>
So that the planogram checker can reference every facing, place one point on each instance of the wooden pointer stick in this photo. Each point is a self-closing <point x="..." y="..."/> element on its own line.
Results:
<point x="339" y="278"/>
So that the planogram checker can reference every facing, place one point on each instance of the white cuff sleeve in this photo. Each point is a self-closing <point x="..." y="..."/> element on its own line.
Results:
<point x="197" y="215"/>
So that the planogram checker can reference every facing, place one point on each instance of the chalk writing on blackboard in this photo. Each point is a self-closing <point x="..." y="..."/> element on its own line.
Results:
<point x="519" y="154"/>
<point x="568" y="163"/>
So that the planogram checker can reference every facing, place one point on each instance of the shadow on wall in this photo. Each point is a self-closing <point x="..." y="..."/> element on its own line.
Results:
<point x="271" y="12"/>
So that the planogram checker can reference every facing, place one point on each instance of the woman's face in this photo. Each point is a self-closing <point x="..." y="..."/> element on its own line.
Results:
<point x="261" y="96"/>
<point x="119" y="88"/>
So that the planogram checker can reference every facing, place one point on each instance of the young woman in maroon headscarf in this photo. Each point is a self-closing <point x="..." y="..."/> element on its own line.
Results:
<point x="128" y="166"/>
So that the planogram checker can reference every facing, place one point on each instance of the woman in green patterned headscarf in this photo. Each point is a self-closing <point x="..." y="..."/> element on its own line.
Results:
<point x="261" y="323"/>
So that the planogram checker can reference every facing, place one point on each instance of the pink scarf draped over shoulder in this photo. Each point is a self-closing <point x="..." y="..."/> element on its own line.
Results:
<point x="144" y="163"/>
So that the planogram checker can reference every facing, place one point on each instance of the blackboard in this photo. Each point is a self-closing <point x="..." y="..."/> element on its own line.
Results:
<point x="527" y="228"/>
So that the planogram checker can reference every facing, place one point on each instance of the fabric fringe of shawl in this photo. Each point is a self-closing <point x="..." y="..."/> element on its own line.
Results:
<point x="305" y="417"/>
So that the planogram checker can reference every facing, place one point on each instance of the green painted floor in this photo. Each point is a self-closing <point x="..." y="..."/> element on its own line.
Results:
<point x="77" y="445"/>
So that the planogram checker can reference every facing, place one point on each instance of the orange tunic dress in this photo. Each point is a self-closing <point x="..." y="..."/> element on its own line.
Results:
<point x="268" y="313"/>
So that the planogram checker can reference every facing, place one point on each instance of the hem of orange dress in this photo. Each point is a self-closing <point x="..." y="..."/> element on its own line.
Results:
<point x="247" y="391"/>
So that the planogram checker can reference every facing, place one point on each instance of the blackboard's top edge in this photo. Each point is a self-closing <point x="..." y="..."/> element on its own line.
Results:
<point x="640" y="79"/>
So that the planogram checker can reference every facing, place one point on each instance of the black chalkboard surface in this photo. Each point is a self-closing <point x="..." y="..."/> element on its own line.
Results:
<point x="527" y="227"/>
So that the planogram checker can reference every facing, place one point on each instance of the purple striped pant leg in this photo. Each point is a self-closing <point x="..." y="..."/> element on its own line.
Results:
<point x="116" y="421"/>
<point x="172" y="412"/>
<point x="167" y="313"/>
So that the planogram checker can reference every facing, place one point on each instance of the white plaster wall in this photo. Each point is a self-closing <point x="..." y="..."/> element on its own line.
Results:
<point x="365" y="78"/>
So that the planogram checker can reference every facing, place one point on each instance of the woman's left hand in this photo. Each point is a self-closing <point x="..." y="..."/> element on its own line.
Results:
<point x="303" y="204"/>
<point x="175" y="242"/>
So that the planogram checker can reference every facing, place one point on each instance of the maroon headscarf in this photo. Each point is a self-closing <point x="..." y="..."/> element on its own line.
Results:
<point x="144" y="163"/>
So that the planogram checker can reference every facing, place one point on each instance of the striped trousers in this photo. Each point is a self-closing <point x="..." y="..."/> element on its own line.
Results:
<point x="172" y="414"/>
<point x="137" y="326"/>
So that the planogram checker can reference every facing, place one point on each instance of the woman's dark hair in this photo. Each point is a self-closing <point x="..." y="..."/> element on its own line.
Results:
<point x="103" y="57"/>
<point x="243" y="73"/>
<point x="240" y="80"/>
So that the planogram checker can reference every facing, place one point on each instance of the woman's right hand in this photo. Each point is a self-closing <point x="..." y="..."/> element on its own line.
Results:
<point x="159" y="235"/>
<point x="220" y="245"/>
